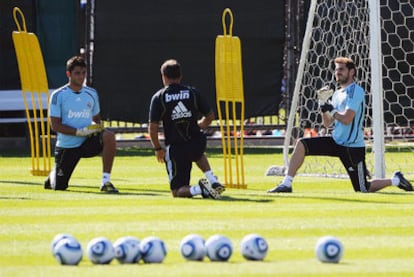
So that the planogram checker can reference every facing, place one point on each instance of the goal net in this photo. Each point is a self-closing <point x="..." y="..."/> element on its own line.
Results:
<point x="379" y="36"/>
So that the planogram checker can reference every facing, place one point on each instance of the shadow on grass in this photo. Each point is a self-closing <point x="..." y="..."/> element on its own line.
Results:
<point x="86" y="189"/>
<point x="239" y="199"/>
<point x="21" y="183"/>
<point x="14" y="198"/>
<point x="122" y="192"/>
<point x="343" y="199"/>
<point x="396" y="193"/>
<point x="17" y="183"/>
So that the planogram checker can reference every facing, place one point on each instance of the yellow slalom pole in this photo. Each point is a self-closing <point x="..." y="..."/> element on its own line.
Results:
<point x="36" y="133"/>
<point x="229" y="151"/>
<point x="223" y="140"/>
<point x="21" y="54"/>
<point x="229" y="92"/>
<point x="236" y="145"/>
<point x="34" y="83"/>
<point x="242" y="146"/>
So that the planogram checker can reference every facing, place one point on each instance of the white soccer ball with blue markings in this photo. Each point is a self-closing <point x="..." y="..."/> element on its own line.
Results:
<point x="100" y="251"/>
<point x="329" y="249"/>
<point x="153" y="250"/>
<point x="219" y="248"/>
<point x="127" y="250"/>
<point x="254" y="247"/>
<point x="192" y="247"/>
<point x="68" y="251"/>
<point x="59" y="237"/>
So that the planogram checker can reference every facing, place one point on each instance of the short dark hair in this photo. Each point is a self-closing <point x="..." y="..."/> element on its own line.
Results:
<point x="171" y="69"/>
<point x="75" y="61"/>
<point x="348" y="62"/>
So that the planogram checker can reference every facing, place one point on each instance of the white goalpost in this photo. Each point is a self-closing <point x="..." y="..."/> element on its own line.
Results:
<point x="376" y="87"/>
<point x="379" y="36"/>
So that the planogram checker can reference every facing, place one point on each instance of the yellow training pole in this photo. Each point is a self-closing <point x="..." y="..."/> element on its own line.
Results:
<point x="34" y="86"/>
<point x="230" y="97"/>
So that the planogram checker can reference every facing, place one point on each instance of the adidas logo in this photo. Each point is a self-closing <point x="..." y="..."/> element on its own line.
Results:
<point x="180" y="111"/>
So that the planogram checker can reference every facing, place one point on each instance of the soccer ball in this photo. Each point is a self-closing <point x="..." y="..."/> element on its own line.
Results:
<point x="127" y="250"/>
<point x="275" y="170"/>
<point x="253" y="247"/>
<point x="219" y="248"/>
<point x="100" y="251"/>
<point x="57" y="238"/>
<point x="153" y="250"/>
<point x="68" y="251"/>
<point x="329" y="250"/>
<point x="192" y="247"/>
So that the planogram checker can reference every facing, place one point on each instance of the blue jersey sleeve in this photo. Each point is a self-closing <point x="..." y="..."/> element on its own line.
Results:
<point x="356" y="97"/>
<point x="54" y="105"/>
<point x="96" y="108"/>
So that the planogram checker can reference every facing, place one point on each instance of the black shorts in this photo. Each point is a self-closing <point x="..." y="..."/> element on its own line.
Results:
<point x="352" y="158"/>
<point x="179" y="159"/>
<point x="66" y="159"/>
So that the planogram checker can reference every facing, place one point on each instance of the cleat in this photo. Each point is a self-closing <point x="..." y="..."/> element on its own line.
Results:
<point x="61" y="187"/>
<point x="207" y="191"/>
<point x="47" y="184"/>
<point x="218" y="187"/>
<point x="108" y="187"/>
<point x="280" y="188"/>
<point x="404" y="183"/>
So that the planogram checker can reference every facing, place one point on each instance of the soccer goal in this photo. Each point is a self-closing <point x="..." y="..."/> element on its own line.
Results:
<point x="379" y="36"/>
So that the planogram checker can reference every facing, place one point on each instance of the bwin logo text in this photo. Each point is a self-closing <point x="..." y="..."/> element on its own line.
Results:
<point x="183" y="94"/>
<point x="79" y="114"/>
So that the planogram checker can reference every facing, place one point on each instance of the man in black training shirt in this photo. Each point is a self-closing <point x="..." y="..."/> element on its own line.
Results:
<point x="183" y="113"/>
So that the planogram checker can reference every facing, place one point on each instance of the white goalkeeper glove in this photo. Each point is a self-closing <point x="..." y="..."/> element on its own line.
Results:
<point x="89" y="130"/>
<point x="324" y="94"/>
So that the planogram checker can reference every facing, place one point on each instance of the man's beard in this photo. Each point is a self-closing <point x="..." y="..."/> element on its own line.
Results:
<point x="342" y="81"/>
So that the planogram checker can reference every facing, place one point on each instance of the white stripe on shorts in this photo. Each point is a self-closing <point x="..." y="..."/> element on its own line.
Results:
<point x="168" y="162"/>
<point x="361" y="177"/>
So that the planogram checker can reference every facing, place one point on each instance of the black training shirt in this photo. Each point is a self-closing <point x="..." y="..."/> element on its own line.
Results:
<point x="178" y="107"/>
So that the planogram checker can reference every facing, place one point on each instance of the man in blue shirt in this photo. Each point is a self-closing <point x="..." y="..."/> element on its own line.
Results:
<point x="346" y="112"/>
<point x="74" y="116"/>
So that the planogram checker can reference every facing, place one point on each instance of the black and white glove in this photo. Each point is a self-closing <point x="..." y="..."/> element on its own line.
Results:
<point x="88" y="130"/>
<point x="328" y="108"/>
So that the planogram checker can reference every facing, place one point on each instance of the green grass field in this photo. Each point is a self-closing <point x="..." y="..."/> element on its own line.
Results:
<point x="377" y="230"/>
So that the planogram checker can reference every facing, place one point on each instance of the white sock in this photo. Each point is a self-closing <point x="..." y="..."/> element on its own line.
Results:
<point x="287" y="181"/>
<point x="106" y="177"/>
<point x="211" y="177"/>
<point x="395" y="181"/>
<point x="195" y="190"/>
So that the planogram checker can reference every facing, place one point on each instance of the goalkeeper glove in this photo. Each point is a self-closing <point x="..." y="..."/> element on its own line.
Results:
<point x="88" y="130"/>
<point x="328" y="108"/>
<point x="324" y="94"/>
